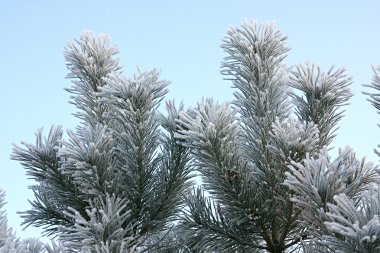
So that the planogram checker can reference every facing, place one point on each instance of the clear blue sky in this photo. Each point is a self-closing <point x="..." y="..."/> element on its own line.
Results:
<point x="182" y="38"/>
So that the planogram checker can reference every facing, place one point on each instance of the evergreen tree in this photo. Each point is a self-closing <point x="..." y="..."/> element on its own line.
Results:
<point x="264" y="162"/>
<point x="119" y="182"/>
<point x="118" y="179"/>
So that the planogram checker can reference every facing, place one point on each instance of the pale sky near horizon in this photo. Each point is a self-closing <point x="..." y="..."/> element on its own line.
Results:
<point x="182" y="38"/>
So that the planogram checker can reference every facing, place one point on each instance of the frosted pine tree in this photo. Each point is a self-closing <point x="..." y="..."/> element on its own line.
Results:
<point x="118" y="179"/>
<point x="269" y="185"/>
<point x="263" y="158"/>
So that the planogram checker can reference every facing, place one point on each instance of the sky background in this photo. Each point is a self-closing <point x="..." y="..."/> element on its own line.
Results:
<point x="182" y="38"/>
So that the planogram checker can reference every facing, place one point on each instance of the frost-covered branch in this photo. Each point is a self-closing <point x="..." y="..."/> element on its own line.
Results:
<point x="356" y="225"/>
<point x="322" y="96"/>
<point x="316" y="183"/>
<point x="90" y="60"/>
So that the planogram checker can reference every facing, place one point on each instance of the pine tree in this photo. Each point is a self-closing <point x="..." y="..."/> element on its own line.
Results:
<point x="264" y="160"/>
<point x="118" y="179"/>
<point x="120" y="182"/>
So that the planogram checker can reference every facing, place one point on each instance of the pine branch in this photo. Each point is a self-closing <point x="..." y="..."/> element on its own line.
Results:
<point x="206" y="228"/>
<point x="90" y="61"/>
<point x="322" y="95"/>
<point x="317" y="181"/>
<point x="55" y="189"/>
<point x="355" y="225"/>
